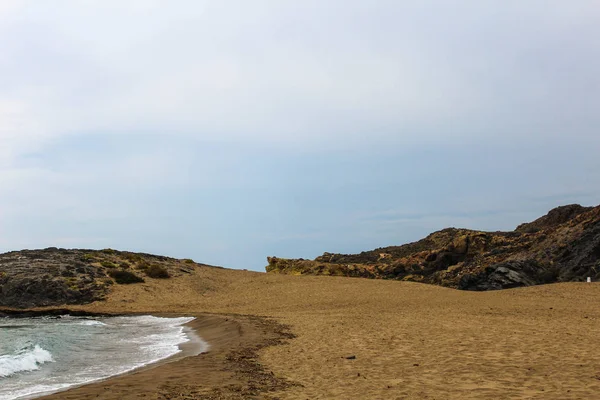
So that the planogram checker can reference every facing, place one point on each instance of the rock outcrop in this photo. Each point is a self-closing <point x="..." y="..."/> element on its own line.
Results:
<point x="564" y="245"/>
<point x="50" y="277"/>
<point x="555" y="217"/>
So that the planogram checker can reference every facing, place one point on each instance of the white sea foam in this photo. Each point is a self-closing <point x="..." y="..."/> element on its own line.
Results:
<point x="84" y="350"/>
<point x="25" y="361"/>
<point x="91" y="322"/>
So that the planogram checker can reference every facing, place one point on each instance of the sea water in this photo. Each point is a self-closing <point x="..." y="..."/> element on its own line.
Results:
<point x="49" y="354"/>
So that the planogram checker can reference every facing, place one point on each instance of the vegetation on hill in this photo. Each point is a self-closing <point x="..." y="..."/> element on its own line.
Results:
<point x="33" y="278"/>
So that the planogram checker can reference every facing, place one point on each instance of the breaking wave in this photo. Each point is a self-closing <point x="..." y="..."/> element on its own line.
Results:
<point x="26" y="360"/>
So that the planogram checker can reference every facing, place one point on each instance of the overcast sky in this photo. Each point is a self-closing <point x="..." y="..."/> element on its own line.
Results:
<point x="228" y="131"/>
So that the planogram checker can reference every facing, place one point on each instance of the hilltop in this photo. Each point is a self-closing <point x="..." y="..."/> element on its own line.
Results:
<point x="562" y="246"/>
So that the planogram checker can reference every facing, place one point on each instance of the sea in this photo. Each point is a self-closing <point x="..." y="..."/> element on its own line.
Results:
<point x="48" y="354"/>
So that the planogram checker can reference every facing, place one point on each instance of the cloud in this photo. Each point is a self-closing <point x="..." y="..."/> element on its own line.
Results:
<point x="280" y="72"/>
<point x="301" y="123"/>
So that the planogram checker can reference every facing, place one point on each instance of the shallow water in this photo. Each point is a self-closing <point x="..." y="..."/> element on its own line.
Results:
<point x="47" y="354"/>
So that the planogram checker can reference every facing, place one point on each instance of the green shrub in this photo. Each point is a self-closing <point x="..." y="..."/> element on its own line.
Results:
<point x="157" y="272"/>
<point x="143" y="265"/>
<point x="124" y="264"/>
<point x="189" y="261"/>
<point x="132" y="257"/>
<point x="108" y="251"/>
<point x="88" y="257"/>
<point x="124" y="277"/>
<point x="108" y="264"/>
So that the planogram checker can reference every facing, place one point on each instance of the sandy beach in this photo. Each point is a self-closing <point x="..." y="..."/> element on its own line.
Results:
<point x="307" y="337"/>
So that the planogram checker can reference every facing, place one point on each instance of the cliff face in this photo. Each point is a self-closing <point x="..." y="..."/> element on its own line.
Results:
<point x="36" y="278"/>
<point x="562" y="246"/>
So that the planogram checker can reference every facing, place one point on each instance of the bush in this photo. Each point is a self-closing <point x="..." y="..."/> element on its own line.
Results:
<point x="143" y="265"/>
<point x="189" y="261"/>
<point x="157" y="272"/>
<point x="124" y="277"/>
<point x="108" y="264"/>
<point x="132" y="257"/>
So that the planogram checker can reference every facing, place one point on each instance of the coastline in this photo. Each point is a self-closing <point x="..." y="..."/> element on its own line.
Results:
<point x="207" y="366"/>
<point x="194" y="345"/>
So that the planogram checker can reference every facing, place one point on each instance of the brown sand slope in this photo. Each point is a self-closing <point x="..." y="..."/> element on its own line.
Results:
<point x="410" y="340"/>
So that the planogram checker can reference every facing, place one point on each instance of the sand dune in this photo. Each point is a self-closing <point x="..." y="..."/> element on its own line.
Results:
<point x="409" y="340"/>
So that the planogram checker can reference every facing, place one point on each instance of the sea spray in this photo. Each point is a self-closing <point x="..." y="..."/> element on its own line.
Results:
<point x="26" y="360"/>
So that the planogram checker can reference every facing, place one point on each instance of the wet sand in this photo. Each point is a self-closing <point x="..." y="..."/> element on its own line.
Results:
<point x="302" y="337"/>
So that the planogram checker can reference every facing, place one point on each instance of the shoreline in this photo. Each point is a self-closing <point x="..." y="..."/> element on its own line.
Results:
<point x="219" y="359"/>
<point x="194" y="345"/>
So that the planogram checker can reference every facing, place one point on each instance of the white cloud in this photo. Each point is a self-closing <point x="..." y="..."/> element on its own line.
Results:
<point x="283" y="71"/>
<point x="8" y="8"/>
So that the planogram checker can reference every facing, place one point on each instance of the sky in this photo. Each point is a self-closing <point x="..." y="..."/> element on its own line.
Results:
<point x="230" y="130"/>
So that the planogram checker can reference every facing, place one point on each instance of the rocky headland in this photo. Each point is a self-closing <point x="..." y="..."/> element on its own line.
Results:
<point x="53" y="276"/>
<point x="562" y="246"/>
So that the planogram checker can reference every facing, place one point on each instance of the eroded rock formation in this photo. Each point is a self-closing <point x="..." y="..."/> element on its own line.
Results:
<point x="563" y="245"/>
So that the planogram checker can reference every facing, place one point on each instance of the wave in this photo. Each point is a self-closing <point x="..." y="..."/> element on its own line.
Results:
<point x="91" y="322"/>
<point x="25" y="361"/>
<point x="158" y="321"/>
<point x="130" y="342"/>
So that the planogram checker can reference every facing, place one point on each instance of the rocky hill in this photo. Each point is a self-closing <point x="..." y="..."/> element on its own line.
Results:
<point x="563" y="245"/>
<point x="35" y="278"/>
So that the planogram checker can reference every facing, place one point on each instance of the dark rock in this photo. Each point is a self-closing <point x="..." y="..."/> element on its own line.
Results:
<point x="499" y="276"/>
<point x="555" y="217"/>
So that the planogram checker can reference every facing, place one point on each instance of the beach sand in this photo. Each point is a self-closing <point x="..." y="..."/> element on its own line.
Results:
<point x="307" y="337"/>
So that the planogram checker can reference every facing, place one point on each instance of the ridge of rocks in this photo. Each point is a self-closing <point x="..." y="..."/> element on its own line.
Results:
<point x="562" y="246"/>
